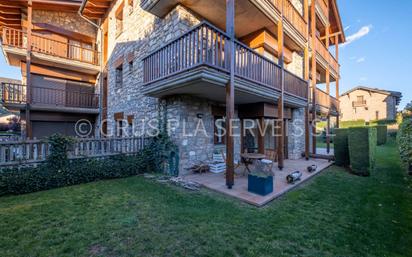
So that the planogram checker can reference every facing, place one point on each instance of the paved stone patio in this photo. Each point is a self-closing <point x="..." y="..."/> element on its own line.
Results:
<point x="216" y="182"/>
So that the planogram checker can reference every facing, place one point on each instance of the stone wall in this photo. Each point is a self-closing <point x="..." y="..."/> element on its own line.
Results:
<point x="296" y="134"/>
<point x="297" y="64"/>
<point x="65" y="20"/>
<point x="143" y="33"/>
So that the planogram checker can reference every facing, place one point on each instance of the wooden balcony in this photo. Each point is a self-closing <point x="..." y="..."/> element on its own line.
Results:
<point x="326" y="57"/>
<point x="14" y="95"/>
<point x="323" y="6"/>
<point x="205" y="47"/>
<point x="293" y="16"/>
<point x="77" y="52"/>
<point x="326" y="103"/>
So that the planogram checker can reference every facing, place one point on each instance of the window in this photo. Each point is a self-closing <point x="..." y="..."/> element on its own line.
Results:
<point x="377" y="115"/>
<point x="119" y="20"/>
<point x="359" y="99"/>
<point x="130" y="66"/>
<point x="119" y="75"/>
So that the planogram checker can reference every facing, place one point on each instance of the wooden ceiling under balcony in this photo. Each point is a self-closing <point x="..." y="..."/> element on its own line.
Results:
<point x="11" y="11"/>
<point x="96" y="9"/>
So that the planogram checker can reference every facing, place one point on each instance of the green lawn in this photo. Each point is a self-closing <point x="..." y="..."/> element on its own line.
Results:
<point x="335" y="214"/>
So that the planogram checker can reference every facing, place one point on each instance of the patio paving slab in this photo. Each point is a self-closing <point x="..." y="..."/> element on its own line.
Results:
<point x="216" y="182"/>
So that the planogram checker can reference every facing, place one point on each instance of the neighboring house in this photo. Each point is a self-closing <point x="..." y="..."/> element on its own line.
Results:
<point x="173" y="57"/>
<point x="365" y="103"/>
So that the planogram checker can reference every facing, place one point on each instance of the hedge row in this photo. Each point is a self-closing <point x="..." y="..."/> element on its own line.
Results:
<point x="59" y="171"/>
<point x="362" y="143"/>
<point x="32" y="179"/>
<point x="382" y="134"/>
<point x="404" y="140"/>
<point x="341" y="147"/>
<point x="356" y="147"/>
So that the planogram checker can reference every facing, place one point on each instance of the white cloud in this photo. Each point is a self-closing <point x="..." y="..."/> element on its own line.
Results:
<point x="346" y="28"/>
<point x="359" y="34"/>
<point x="361" y="59"/>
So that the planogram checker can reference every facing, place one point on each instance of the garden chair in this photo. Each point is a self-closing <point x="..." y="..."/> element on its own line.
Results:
<point x="271" y="157"/>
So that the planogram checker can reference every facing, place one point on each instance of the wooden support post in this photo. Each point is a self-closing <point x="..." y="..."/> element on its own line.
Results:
<point x="29" y="130"/>
<point x="306" y="77"/>
<point x="230" y="93"/>
<point x="242" y="136"/>
<point x="337" y="79"/>
<point x="307" y="123"/>
<point x="261" y="138"/>
<point x="281" y="141"/>
<point x="313" y="38"/>
<point x="328" y="92"/>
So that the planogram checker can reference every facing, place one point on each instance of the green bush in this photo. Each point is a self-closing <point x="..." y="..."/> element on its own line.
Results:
<point x="362" y="143"/>
<point x="160" y="155"/>
<point x="404" y="140"/>
<point x="382" y="134"/>
<point x="341" y="147"/>
<point x="32" y="179"/>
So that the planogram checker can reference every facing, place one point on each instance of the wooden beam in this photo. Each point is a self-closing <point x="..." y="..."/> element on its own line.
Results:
<point x="261" y="137"/>
<point x="307" y="124"/>
<point x="337" y="59"/>
<point x="29" y="131"/>
<point x="306" y="11"/>
<point x="281" y="141"/>
<point x="230" y="93"/>
<point x="313" y="34"/>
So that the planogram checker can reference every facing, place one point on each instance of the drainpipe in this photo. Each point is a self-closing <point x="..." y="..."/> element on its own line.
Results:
<point x="100" y="60"/>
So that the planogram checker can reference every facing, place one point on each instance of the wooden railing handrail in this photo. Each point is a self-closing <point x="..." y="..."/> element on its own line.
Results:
<point x="88" y="55"/>
<point x="292" y="15"/>
<point x="35" y="151"/>
<point x="205" y="44"/>
<point x="326" y="54"/>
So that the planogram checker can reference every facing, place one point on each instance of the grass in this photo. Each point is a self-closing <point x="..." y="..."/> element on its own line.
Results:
<point x="335" y="214"/>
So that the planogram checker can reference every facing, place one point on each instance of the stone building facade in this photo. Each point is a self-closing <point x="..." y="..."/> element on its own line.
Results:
<point x="364" y="103"/>
<point x="143" y="33"/>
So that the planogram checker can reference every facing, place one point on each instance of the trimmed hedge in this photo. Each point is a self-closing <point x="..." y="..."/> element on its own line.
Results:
<point x="32" y="179"/>
<point x="341" y="147"/>
<point x="404" y="140"/>
<point x="362" y="143"/>
<point x="382" y="134"/>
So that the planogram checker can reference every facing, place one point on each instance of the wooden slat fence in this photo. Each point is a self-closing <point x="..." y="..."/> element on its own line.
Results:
<point x="30" y="152"/>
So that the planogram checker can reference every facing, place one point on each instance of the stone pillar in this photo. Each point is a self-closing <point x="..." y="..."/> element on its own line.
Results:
<point x="296" y="136"/>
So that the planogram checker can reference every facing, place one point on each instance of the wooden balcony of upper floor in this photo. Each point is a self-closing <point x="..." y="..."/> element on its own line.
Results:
<point x="250" y="16"/>
<point x="325" y="103"/>
<point x="71" y="55"/>
<point x="326" y="60"/>
<point x="322" y="10"/>
<point x="359" y="103"/>
<point x="13" y="97"/>
<point x="197" y="63"/>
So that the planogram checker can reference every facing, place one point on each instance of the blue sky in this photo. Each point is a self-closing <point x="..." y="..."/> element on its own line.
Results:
<point x="379" y="54"/>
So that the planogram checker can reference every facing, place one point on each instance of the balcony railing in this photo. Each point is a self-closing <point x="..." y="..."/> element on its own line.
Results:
<point x="327" y="101"/>
<point x="323" y="5"/>
<point x="292" y="15"/>
<point x="206" y="45"/>
<point x="326" y="55"/>
<point x="16" y="94"/>
<point x="78" y="52"/>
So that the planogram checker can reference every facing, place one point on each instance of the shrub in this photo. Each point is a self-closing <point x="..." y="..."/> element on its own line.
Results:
<point x="382" y="134"/>
<point x="32" y="179"/>
<point x="341" y="147"/>
<point x="404" y="140"/>
<point x="59" y="171"/>
<point x="362" y="143"/>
